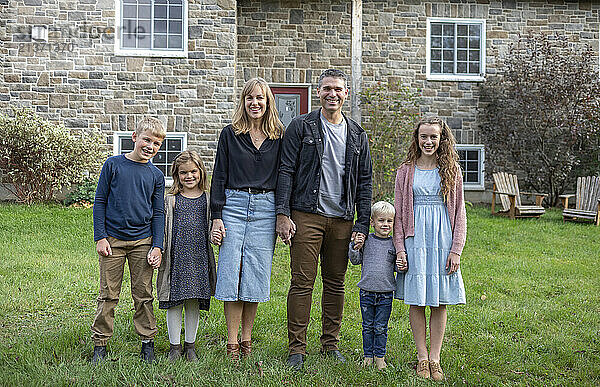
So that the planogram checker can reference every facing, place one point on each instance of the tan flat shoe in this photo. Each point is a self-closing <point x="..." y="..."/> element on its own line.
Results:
<point x="436" y="371"/>
<point x="380" y="363"/>
<point x="367" y="362"/>
<point x="423" y="369"/>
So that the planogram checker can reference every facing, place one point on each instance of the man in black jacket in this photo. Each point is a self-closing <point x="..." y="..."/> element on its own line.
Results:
<point x="324" y="175"/>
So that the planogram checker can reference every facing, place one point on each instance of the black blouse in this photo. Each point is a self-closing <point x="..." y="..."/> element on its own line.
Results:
<point x="240" y="165"/>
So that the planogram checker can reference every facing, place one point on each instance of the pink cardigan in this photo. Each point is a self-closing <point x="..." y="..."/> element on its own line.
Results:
<point x="404" y="222"/>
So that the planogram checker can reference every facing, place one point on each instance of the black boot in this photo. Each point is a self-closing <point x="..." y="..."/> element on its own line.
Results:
<point x="188" y="351"/>
<point x="99" y="354"/>
<point x="174" y="352"/>
<point x="147" y="352"/>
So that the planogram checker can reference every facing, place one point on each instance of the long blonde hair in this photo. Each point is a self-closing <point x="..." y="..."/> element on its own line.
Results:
<point x="182" y="158"/>
<point x="270" y="124"/>
<point x="447" y="157"/>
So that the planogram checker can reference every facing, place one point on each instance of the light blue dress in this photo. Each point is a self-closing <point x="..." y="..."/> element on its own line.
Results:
<point x="426" y="282"/>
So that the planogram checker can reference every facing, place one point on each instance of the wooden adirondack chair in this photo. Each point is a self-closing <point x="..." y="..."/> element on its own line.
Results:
<point x="506" y="187"/>
<point x="587" y="201"/>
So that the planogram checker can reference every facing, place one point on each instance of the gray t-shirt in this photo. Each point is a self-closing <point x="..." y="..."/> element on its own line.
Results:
<point x="378" y="259"/>
<point x="331" y="187"/>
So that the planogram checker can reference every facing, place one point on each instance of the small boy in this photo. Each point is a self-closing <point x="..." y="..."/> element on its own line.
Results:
<point x="377" y="282"/>
<point x="129" y="223"/>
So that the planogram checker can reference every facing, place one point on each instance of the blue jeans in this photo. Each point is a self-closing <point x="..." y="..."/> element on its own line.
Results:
<point x="376" y="309"/>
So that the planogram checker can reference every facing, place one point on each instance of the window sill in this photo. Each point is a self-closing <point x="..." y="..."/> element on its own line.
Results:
<point x="473" y="187"/>
<point x="152" y="53"/>
<point x="455" y="78"/>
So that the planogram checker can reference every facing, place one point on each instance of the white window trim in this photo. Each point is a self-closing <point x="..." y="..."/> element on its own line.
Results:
<point x="128" y="134"/>
<point x="452" y="77"/>
<point x="481" y="149"/>
<point x="150" y="53"/>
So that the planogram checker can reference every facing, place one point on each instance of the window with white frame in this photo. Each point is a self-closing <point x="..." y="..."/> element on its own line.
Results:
<point x="173" y="144"/>
<point x="151" y="27"/>
<point x="455" y="49"/>
<point x="471" y="158"/>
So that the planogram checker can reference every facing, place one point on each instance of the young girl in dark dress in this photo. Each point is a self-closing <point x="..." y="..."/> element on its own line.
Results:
<point x="187" y="276"/>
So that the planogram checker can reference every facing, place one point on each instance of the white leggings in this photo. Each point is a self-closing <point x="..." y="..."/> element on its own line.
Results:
<point x="192" y="317"/>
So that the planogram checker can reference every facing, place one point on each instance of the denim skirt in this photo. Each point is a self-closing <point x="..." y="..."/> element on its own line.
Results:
<point x="246" y="254"/>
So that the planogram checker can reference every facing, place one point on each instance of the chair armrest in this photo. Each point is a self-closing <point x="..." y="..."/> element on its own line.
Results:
<point x="504" y="193"/>
<point x="534" y="194"/>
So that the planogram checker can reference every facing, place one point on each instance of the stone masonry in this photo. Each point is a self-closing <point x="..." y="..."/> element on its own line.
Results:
<point x="293" y="41"/>
<point x="394" y="35"/>
<point x="77" y="79"/>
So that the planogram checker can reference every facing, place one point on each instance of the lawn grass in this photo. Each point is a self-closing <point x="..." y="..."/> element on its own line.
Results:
<point x="532" y="315"/>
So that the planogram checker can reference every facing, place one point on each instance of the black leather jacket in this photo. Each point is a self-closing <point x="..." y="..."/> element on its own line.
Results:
<point x="300" y="170"/>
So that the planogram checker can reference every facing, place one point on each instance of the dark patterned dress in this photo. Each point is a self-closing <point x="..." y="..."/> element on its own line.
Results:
<point x="189" y="255"/>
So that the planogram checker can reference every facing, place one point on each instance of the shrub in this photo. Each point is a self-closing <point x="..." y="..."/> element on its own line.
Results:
<point x="83" y="194"/>
<point x="390" y="112"/>
<point x="541" y="113"/>
<point x="39" y="158"/>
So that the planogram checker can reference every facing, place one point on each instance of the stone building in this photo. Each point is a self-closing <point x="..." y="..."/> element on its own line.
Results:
<point x="101" y="65"/>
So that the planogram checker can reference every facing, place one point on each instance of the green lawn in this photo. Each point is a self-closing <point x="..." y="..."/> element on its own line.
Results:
<point x="532" y="315"/>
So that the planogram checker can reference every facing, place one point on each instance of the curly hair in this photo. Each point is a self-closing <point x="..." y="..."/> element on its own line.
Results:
<point x="446" y="155"/>
<point x="271" y="124"/>
<point x="180" y="159"/>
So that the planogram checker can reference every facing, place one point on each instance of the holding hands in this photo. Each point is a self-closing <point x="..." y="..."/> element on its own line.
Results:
<point x="286" y="228"/>
<point x="154" y="257"/>
<point x="359" y="240"/>
<point x="217" y="232"/>
<point x="453" y="263"/>
<point x="401" y="262"/>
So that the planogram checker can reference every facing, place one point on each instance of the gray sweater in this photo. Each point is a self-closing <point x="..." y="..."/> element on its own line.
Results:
<point x="378" y="259"/>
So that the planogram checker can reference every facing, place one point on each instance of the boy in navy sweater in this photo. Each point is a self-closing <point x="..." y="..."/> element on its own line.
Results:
<point x="129" y="224"/>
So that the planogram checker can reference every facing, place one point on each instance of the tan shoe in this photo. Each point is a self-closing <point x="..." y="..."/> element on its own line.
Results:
<point x="436" y="371"/>
<point x="423" y="369"/>
<point x="367" y="362"/>
<point x="380" y="363"/>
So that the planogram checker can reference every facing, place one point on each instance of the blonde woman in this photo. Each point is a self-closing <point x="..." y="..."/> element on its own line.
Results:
<point x="242" y="205"/>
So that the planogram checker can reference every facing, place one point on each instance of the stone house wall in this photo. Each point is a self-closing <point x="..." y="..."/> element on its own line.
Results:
<point x="84" y="85"/>
<point x="76" y="79"/>
<point x="292" y="41"/>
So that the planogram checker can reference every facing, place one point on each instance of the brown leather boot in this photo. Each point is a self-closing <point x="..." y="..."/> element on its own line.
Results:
<point x="233" y="352"/>
<point x="245" y="348"/>
<point x="188" y="351"/>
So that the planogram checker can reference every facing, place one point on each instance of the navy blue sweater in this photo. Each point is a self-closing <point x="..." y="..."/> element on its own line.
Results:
<point x="129" y="203"/>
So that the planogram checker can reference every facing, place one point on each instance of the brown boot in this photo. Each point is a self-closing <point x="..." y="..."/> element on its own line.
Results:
<point x="188" y="351"/>
<point x="233" y="352"/>
<point x="174" y="352"/>
<point x="245" y="348"/>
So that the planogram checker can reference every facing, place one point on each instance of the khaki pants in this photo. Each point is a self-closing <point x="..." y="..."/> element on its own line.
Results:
<point x="111" y="278"/>
<point x="328" y="237"/>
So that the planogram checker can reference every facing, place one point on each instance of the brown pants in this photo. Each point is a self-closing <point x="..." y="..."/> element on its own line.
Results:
<point x="111" y="278"/>
<point x="328" y="237"/>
